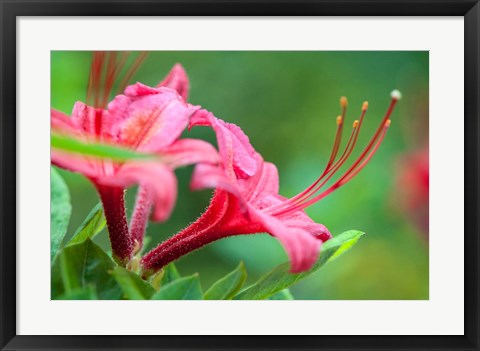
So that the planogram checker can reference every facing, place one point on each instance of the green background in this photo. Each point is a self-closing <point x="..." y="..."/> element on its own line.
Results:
<point x="287" y="103"/>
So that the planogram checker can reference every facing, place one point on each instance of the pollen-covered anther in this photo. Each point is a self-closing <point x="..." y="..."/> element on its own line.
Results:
<point x="396" y="94"/>
<point x="339" y="120"/>
<point x="355" y="123"/>
<point x="365" y="106"/>
<point x="343" y="102"/>
<point x="388" y="122"/>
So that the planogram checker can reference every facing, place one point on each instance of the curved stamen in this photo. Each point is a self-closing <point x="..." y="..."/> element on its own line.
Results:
<point x="95" y="78"/>
<point x="345" y="155"/>
<point x="301" y="201"/>
<point x="112" y="72"/>
<point x="314" y="187"/>
<point x="105" y="70"/>
<point x="131" y="71"/>
<point x="338" y="136"/>
<point x="330" y="170"/>
<point x="347" y="176"/>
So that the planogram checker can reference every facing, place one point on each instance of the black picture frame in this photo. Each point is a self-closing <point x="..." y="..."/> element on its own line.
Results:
<point x="10" y="10"/>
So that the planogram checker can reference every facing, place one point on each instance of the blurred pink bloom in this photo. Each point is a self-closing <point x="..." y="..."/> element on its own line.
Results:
<point x="413" y="184"/>
<point x="144" y="119"/>
<point x="246" y="198"/>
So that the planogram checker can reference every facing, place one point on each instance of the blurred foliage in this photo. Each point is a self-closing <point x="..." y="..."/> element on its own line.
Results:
<point x="287" y="102"/>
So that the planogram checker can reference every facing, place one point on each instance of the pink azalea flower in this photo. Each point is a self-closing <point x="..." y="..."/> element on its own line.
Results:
<point x="144" y="119"/>
<point x="246" y="199"/>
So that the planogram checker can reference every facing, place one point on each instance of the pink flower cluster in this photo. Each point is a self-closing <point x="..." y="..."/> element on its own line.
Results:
<point x="246" y="198"/>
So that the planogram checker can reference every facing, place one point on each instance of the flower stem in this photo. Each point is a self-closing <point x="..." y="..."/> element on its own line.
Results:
<point x="114" y="208"/>
<point x="217" y="222"/>
<point x="180" y="244"/>
<point x="139" y="220"/>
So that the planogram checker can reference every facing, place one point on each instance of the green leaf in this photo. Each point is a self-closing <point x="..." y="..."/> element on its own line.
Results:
<point x="282" y="295"/>
<point x="170" y="274"/>
<point x="279" y="278"/>
<point x="228" y="286"/>
<point x="81" y="265"/>
<point x="76" y="146"/>
<point x="134" y="287"/>
<point x="60" y="210"/>
<point x="187" y="288"/>
<point x="91" y="226"/>
<point x="87" y="293"/>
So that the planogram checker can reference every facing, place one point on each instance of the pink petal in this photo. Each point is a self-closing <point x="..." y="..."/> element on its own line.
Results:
<point x="299" y="219"/>
<point x="232" y="140"/>
<point x="61" y="122"/>
<point x="189" y="151"/>
<point x="148" y="121"/>
<point x="302" y="247"/>
<point x="263" y="184"/>
<point x="209" y="176"/>
<point x="74" y="163"/>
<point x="158" y="178"/>
<point x="84" y="117"/>
<point x="177" y="80"/>
<point x="201" y="117"/>
<point x="304" y="222"/>
<point x="239" y="157"/>
<point x="139" y="89"/>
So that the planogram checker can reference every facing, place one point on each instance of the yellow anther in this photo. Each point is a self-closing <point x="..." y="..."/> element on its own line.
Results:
<point x="343" y="102"/>
<point x="387" y="123"/>
<point x="365" y="106"/>
<point x="355" y="123"/>
<point x="339" y="120"/>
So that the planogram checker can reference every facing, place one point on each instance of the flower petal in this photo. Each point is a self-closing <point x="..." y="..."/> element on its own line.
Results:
<point x="302" y="247"/>
<point x="61" y="122"/>
<point x="139" y="90"/>
<point x="74" y="163"/>
<point x="189" y="151"/>
<point x="158" y="178"/>
<point x="177" y="80"/>
<point x="256" y="189"/>
<point x="148" y="119"/>
<point x="239" y="157"/>
<point x="87" y="118"/>
<point x="299" y="219"/>
<point x="209" y="176"/>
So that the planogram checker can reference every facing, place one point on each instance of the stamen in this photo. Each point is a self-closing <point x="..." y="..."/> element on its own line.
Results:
<point x="95" y="78"/>
<point x="365" y="106"/>
<point x="333" y="169"/>
<point x="348" y="175"/>
<point x="338" y="136"/>
<point x="105" y="70"/>
<point x="110" y="76"/>
<point x="312" y="189"/>
<point x="132" y="70"/>
<point x="301" y="201"/>
<point x="336" y="144"/>
<point x="297" y="200"/>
